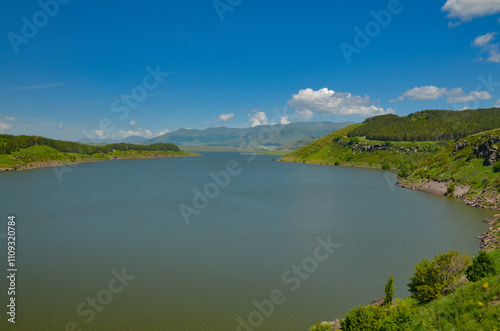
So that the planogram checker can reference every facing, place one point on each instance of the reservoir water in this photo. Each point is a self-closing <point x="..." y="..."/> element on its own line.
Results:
<point x="108" y="248"/>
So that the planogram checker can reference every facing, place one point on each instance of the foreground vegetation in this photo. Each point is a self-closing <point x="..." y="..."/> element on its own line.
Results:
<point x="451" y="292"/>
<point x="28" y="152"/>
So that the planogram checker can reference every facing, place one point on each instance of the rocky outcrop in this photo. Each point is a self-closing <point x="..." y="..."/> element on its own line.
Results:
<point x="488" y="150"/>
<point x="460" y="145"/>
<point x="491" y="240"/>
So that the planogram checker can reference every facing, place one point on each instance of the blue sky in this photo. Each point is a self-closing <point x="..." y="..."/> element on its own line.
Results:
<point x="79" y="69"/>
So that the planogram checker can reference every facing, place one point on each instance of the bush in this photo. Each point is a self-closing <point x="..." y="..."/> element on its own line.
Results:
<point x="386" y="166"/>
<point x="496" y="167"/>
<point x="482" y="266"/>
<point x="320" y="327"/>
<point x="406" y="169"/>
<point x="362" y="318"/>
<point x="450" y="189"/>
<point x="433" y="278"/>
<point x="389" y="291"/>
<point x="398" y="319"/>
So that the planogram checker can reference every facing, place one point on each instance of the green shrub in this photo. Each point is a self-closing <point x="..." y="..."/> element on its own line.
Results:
<point x="386" y="166"/>
<point x="482" y="266"/>
<point x="362" y="318"/>
<point x="389" y="291"/>
<point x="496" y="167"/>
<point x="450" y="189"/>
<point x="406" y="169"/>
<point x="433" y="278"/>
<point x="399" y="318"/>
<point x="320" y="327"/>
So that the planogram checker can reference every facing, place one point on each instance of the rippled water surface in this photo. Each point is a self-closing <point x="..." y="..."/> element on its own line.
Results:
<point x="240" y="248"/>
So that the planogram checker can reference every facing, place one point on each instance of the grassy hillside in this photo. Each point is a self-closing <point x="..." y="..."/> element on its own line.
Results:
<point x="469" y="306"/>
<point x="337" y="148"/>
<point x="470" y="162"/>
<point x="39" y="156"/>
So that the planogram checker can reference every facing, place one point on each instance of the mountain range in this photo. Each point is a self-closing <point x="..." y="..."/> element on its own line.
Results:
<point x="270" y="137"/>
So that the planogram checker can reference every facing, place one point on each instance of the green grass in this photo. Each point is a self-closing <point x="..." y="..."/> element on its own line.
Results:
<point x="29" y="157"/>
<point x="473" y="306"/>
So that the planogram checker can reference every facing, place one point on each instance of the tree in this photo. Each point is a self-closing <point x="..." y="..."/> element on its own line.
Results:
<point x="389" y="291"/>
<point x="433" y="278"/>
<point x="482" y="266"/>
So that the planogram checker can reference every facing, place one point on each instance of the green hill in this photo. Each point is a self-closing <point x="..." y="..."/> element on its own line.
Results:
<point x="429" y="125"/>
<point x="28" y="152"/>
<point x="466" y="168"/>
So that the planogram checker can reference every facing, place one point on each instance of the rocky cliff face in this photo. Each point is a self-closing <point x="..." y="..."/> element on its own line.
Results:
<point x="488" y="150"/>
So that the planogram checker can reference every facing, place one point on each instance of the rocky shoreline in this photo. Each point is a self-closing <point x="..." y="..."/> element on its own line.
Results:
<point x="488" y="199"/>
<point x="490" y="240"/>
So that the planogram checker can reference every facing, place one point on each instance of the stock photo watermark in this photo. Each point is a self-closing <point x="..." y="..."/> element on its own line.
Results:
<point x="96" y="304"/>
<point x="31" y="27"/>
<point x="221" y="7"/>
<point x="293" y="279"/>
<point x="363" y="37"/>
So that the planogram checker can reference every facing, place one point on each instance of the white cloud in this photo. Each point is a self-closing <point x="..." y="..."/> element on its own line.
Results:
<point x="497" y="104"/>
<point x="122" y="134"/>
<point x="454" y="95"/>
<point x="10" y="118"/>
<point x="133" y="122"/>
<point x="422" y="93"/>
<point x="38" y="87"/>
<point x="326" y="102"/>
<point x="225" y="117"/>
<point x="484" y="40"/>
<point x="60" y="125"/>
<point x="467" y="10"/>
<point x="284" y="120"/>
<point x="485" y="43"/>
<point x="4" y="127"/>
<point x="458" y="96"/>
<point x="258" y="118"/>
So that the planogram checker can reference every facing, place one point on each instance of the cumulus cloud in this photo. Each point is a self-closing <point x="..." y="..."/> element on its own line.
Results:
<point x="133" y="123"/>
<point x="122" y="134"/>
<point x="60" y="125"/>
<point x="454" y="95"/>
<point x="486" y="45"/>
<point x="497" y="104"/>
<point x="467" y="10"/>
<point x="284" y="120"/>
<point x="458" y="96"/>
<point x="225" y="117"/>
<point x="257" y="118"/>
<point x="326" y="102"/>
<point x="422" y="93"/>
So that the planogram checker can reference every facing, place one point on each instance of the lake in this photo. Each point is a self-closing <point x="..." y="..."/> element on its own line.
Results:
<point x="218" y="242"/>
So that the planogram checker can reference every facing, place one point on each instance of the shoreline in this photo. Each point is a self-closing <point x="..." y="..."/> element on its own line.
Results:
<point x="487" y="199"/>
<point x="56" y="163"/>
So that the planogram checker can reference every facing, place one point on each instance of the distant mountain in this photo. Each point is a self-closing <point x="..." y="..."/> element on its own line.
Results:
<point x="262" y="136"/>
<point x="134" y="140"/>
